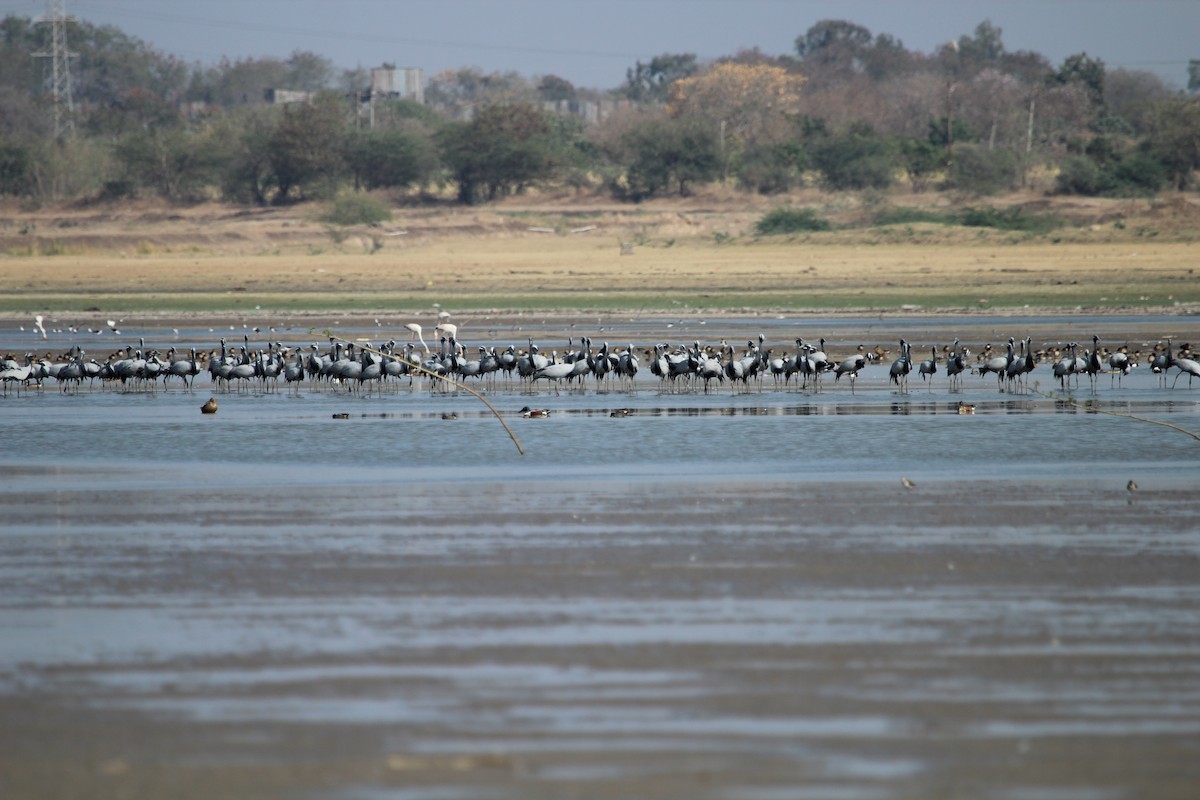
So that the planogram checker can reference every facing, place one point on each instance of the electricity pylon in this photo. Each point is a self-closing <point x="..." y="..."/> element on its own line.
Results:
<point x="60" y="66"/>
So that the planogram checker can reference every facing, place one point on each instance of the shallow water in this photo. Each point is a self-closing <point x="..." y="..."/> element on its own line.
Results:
<point x="728" y="595"/>
<point x="400" y="434"/>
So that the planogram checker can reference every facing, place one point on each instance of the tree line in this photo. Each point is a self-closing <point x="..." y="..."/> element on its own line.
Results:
<point x="846" y="110"/>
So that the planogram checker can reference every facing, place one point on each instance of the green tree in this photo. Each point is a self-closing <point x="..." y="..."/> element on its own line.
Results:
<point x="982" y="50"/>
<point x="400" y="114"/>
<point x="20" y="72"/>
<point x="23" y="116"/>
<point x="503" y="150"/>
<point x="651" y="82"/>
<point x="175" y="164"/>
<point x="459" y="91"/>
<point x="661" y="154"/>
<point x="136" y="110"/>
<point x="70" y="167"/>
<point x="1080" y="175"/>
<point x="770" y="169"/>
<point x="833" y="52"/>
<point x="307" y="72"/>
<point x="390" y="159"/>
<point x="353" y="81"/>
<point x="857" y="159"/>
<point x="1140" y="173"/>
<point x="308" y="147"/>
<point x="1173" y="138"/>
<point x="554" y="89"/>
<point x="1131" y="95"/>
<point x="238" y="83"/>
<point x="16" y="164"/>
<point x="1086" y="72"/>
<point x="832" y="40"/>
<point x="888" y="59"/>
<point x="112" y="64"/>
<point x="921" y="160"/>
<point x="943" y="132"/>
<point x="246" y="135"/>
<point x="981" y="171"/>
<point x="1106" y="170"/>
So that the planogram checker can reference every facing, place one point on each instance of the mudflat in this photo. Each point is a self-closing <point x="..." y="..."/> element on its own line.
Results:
<point x="744" y="639"/>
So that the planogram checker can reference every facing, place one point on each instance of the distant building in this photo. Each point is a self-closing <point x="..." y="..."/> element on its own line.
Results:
<point x="590" y="111"/>
<point x="286" y="96"/>
<point x="404" y="83"/>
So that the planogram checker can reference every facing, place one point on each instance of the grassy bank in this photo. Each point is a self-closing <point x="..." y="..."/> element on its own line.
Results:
<point x="210" y="261"/>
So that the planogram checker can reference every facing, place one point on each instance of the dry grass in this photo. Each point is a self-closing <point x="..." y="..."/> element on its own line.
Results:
<point x="699" y="253"/>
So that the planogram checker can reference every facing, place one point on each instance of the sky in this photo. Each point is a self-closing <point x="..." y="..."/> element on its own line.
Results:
<point x="593" y="42"/>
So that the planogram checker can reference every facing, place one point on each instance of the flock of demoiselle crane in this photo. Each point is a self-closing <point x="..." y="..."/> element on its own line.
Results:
<point x="361" y="367"/>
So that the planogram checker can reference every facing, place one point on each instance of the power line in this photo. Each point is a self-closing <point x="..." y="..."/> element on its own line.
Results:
<point x="115" y="10"/>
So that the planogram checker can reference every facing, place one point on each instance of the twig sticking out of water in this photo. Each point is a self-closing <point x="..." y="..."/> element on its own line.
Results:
<point x="454" y="383"/>
<point x="1096" y="408"/>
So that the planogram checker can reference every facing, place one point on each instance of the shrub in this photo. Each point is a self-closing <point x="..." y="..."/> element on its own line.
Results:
<point x="356" y="209"/>
<point x="981" y="171"/>
<point x="790" y="220"/>
<point x="1139" y="174"/>
<point x="1124" y="175"/>
<point x="1080" y="175"/>
<point x="859" y="159"/>
<point x="1010" y="219"/>
<point x="768" y="170"/>
<point x="905" y="216"/>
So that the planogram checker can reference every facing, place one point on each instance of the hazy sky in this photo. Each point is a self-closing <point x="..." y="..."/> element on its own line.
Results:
<point x="592" y="42"/>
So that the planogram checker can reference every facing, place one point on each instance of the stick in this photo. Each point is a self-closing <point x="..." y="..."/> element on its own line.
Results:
<point x="432" y="374"/>
<point x="1127" y="415"/>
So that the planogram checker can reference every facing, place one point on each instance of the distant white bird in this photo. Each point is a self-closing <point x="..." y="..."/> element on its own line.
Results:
<point x="37" y="322"/>
<point x="415" y="330"/>
<point x="555" y="372"/>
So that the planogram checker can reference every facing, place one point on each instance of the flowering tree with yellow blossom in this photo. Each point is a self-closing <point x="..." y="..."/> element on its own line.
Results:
<point x="749" y="104"/>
